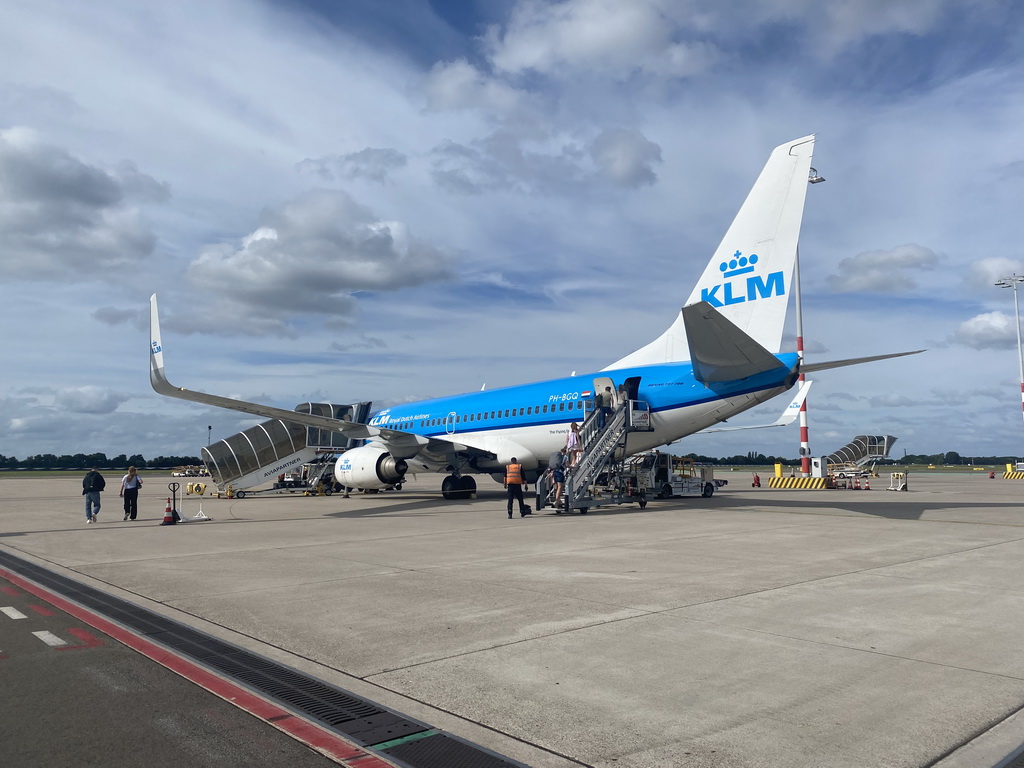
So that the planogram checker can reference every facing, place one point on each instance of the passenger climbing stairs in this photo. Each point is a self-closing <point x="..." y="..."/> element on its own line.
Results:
<point x="598" y="477"/>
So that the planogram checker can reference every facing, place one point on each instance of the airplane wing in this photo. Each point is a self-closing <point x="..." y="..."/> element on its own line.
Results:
<point x="400" y="444"/>
<point x="788" y="415"/>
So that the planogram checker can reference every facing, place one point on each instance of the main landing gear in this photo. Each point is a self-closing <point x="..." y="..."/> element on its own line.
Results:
<point x="458" y="487"/>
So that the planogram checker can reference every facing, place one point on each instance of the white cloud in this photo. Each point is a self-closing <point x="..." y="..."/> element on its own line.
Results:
<point x="892" y="271"/>
<point x="990" y="330"/>
<point x="370" y="164"/>
<point x="306" y="259"/>
<point x="460" y="85"/>
<point x="89" y="399"/>
<point x="602" y="38"/>
<point x="63" y="219"/>
<point x="626" y="157"/>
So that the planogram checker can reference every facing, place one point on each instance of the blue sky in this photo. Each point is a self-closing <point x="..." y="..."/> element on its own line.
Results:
<point x="365" y="200"/>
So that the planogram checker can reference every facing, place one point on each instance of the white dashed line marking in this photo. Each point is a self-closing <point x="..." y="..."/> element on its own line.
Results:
<point x="49" y="638"/>
<point x="12" y="613"/>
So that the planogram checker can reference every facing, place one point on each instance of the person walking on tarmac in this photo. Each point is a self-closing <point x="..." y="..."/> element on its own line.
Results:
<point x="92" y="485"/>
<point x="514" y="483"/>
<point x="130" y="485"/>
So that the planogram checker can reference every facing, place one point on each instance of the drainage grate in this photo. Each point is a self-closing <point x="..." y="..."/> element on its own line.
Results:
<point x="361" y="721"/>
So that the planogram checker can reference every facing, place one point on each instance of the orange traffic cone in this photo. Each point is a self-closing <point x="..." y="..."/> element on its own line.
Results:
<point x="856" y="484"/>
<point x="168" y="515"/>
<point x="867" y="484"/>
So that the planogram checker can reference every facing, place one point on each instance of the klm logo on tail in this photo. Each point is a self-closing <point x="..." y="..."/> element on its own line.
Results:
<point x="751" y="288"/>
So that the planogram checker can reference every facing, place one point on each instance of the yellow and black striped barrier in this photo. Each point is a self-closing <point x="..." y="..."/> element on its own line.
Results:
<point x="801" y="483"/>
<point x="1013" y="475"/>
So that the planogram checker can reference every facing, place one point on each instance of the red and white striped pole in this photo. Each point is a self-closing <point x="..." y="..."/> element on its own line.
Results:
<point x="805" y="443"/>
<point x="1012" y="282"/>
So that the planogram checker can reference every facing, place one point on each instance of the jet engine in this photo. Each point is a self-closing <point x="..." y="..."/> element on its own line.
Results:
<point x="369" y="466"/>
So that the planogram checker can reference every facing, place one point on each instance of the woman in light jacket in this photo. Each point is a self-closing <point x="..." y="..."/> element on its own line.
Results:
<point x="130" y="485"/>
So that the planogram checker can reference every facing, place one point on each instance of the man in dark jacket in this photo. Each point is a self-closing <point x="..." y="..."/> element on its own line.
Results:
<point x="92" y="484"/>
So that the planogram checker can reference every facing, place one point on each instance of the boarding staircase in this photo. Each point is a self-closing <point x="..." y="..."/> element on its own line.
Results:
<point x="601" y="460"/>
<point x="862" y="450"/>
<point x="262" y="453"/>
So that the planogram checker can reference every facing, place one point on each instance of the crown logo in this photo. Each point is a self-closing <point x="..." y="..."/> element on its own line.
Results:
<point x="738" y="265"/>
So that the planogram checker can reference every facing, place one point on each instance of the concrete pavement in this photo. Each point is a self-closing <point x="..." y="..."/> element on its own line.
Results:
<point x="760" y="627"/>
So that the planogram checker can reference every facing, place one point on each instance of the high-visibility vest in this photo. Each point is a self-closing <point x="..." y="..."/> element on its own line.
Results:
<point x="514" y="474"/>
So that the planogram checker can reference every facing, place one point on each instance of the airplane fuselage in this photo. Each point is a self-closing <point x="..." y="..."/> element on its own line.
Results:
<point x="536" y="417"/>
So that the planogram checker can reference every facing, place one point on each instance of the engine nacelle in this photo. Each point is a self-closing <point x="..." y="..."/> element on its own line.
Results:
<point x="369" y="466"/>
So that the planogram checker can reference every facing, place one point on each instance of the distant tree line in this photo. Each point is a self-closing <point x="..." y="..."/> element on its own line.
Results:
<point x="120" y="462"/>
<point x="950" y="458"/>
<point x="97" y="460"/>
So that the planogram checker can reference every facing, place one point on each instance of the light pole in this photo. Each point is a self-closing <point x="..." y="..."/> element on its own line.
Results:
<point x="1012" y="282"/>
<point x="209" y="435"/>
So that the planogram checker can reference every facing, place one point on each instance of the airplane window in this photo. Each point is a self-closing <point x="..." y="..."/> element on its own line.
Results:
<point x="492" y="414"/>
<point x="458" y="419"/>
<point x="561" y="406"/>
<point x="506" y="413"/>
<point x="521" y="411"/>
<point x="545" y="409"/>
<point x="530" y="410"/>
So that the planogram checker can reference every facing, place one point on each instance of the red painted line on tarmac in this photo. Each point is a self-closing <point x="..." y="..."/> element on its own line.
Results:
<point x="10" y="591"/>
<point x="89" y="640"/>
<point x="313" y="736"/>
<point x="42" y="610"/>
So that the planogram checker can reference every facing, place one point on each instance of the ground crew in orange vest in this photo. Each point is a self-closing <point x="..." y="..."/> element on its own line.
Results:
<point x="514" y="483"/>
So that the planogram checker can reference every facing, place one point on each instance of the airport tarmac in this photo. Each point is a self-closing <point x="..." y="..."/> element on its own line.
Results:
<point x="759" y="627"/>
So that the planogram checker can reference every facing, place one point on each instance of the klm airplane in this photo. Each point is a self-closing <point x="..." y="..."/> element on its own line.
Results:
<point x="720" y="356"/>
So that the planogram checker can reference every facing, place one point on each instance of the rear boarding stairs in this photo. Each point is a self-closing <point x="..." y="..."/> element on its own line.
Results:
<point x="599" y="478"/>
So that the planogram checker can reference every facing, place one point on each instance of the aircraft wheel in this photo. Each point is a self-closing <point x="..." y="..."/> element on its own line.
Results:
<point x="239" y="494"/>
<point x="448" y="486"/>
<point x="584" y="510"/>
<point x="468" y="485"/>
<point x="398" y="486"/>
<point x="708" y="491"/>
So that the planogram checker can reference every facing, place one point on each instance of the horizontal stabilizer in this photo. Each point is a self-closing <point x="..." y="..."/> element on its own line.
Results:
<point x="719" y="350"/>
<point x="812" y="367"/>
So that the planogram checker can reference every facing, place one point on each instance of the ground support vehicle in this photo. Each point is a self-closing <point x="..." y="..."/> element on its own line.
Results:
<point x="848" y="470"/>
<point x="664" y="475"/>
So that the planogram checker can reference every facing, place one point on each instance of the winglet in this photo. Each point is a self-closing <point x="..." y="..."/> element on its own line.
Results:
<point x="156" y="351"/>
<point x="788" y="415"/>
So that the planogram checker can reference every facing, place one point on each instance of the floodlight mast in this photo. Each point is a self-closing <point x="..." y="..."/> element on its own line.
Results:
<point x="1012" y="282"/>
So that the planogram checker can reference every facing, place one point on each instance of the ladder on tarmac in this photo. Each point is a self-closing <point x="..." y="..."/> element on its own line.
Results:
<point x="598" y="476"/>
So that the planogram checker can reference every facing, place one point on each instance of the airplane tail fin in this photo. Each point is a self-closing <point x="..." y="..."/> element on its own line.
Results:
<point x="749" y="278"/>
